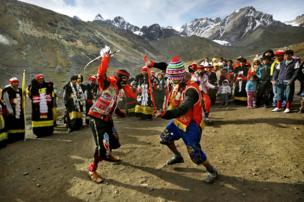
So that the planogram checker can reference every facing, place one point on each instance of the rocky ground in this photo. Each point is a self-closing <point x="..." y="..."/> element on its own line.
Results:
<point x="258" y="153"/>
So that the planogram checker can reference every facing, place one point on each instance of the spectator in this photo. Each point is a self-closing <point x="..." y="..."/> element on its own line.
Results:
<point x="264" y="88"/>
<point x="279" y="57"/>
<point x="251" y="87"/>
<point x="224" y="91"/>
<point x="284" y="76"/>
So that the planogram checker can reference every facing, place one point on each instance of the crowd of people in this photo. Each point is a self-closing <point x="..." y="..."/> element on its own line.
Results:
<point x="173" y="91"/>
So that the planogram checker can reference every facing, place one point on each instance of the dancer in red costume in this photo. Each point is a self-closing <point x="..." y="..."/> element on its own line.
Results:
<point x="105" y="136"/>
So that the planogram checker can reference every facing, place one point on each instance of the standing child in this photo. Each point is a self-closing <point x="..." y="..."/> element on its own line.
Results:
<point x="251" y="92"/>
<point x="225" y="91"/>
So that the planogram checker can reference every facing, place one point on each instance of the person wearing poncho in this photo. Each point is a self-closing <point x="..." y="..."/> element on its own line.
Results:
<point x="183" y="107"/>
<point x="14" y="120"/>
<point x="201" y="77"/>
<point x="145" y="83"/>
<point x="42" y="95"/>
<point x="240" y="74"/>
<point x="3" y="134"/>
<point x="73" y="104"/>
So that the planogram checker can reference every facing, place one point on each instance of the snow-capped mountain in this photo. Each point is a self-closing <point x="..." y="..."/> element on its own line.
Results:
<point x="232" y="28"/>
<point x="152" y="32"/>
<point x="228" y="31"/>
<point x="121" y="23"/>
<point x="203" y="27"/>
<point x="99" y="17"/>
<point x="299" y="21"/>
<point x="155" y="32"/>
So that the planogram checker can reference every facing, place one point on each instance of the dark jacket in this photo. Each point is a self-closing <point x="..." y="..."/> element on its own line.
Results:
<point x="285" y="71"/>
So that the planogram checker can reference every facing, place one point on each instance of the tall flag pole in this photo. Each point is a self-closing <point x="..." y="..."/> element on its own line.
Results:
<point x="23" y="87"/>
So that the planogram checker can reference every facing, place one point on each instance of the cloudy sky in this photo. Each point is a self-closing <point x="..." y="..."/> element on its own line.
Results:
<point x="168" y="12"/>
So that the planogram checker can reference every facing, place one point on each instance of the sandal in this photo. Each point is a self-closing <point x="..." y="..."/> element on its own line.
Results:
<point x="95" y="177"/>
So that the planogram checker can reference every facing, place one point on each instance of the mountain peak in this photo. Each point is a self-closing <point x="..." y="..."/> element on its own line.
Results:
<point x="75" y="17"/>
<point x="300" y="17"/>
<point x="99" y="17"/>
<point x="298" y="22"/>
<point x="156" y="32"/>
<point x="232" y="28"/>
<point x="119" y="19"/>
<point x="248" y="8"/>
<point x="202" y="27"/>
<point x="121" y="23"/>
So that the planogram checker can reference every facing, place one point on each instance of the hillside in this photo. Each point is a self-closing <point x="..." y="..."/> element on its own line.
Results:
<point x="274" y="36"/>
<point x="40" y="40"/>
<point x="192" y="48"/>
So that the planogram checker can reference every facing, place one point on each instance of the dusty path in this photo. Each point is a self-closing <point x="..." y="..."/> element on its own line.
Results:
<point x="259" y="154"/>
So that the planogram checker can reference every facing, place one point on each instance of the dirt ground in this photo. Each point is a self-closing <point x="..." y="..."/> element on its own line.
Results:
<point x="258" y="153"/>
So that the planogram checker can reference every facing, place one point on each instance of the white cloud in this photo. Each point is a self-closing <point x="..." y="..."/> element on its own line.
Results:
<point x="138" y="12"/>
<point x="167" y="12"/>
<point x="281" y="10"/>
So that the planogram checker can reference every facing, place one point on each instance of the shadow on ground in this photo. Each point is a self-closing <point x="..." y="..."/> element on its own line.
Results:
<point x="227" y="188"/>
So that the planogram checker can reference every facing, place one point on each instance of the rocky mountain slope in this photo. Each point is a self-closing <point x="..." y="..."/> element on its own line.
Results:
<point x="232" y="28"/>
<point x="246" y="29"/>
<point x="40" y="40"/>
<point x="299" y="21"/>
<point x="152" y="32"/>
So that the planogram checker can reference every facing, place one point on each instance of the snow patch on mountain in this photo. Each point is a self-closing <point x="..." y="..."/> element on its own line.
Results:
<point x="202" y="27"/>
<point x="139" y="33"/>
<point x="121" y="23"/>
<point x="8" y="41"/>
<point x="4" y="40"/>
<point x="231" y="28"/>
<point x="222" y="42"/>
<point x="298" y="22"/>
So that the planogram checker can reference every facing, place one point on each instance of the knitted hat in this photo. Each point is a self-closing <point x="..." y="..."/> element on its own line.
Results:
<point x="226" y="81"/>
<point x="176" y="69"/>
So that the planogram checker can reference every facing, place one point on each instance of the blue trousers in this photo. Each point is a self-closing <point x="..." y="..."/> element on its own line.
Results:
<point x="284" y="90"/>
<point x="191" y="138"/>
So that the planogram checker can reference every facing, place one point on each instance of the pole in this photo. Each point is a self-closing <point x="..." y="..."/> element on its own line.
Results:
<point x="23" y="87"/>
